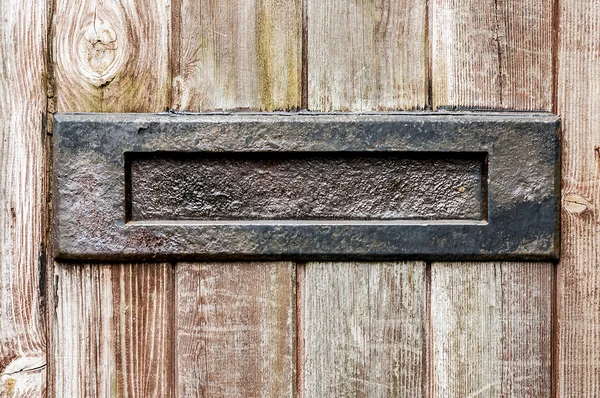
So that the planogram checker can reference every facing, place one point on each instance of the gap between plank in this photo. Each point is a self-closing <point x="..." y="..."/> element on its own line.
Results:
<point x="175" y="53"/>
<point x="428" y="55"/>
<point x="554" y="333"/>
<point x="304" y="71"/>
<point x="174" y="321"/>
<point x="428" y="385"/>
<point x="299" y="340"/>
<point x="51" y="283"/>
<point x="554" y="326"/>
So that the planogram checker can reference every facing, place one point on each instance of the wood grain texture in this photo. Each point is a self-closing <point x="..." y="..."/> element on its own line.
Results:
<point x="115" y="335"/>
<point x="112" y="330"/>
<point x="235" y="329"/>
<point x="363" y="329"/>
<point x="491" y="329"/>
<point x="238" y="54"/>
<point x="362" y="326"/>
<point x="492" y="54"/>
<point x="489" y="339"/>
<point x="367" y="55"/>
<point x="22" y="197"/>
<point x="112" y="55"/>
<point x="578" y="281"/>
<point x="239" y="319"/>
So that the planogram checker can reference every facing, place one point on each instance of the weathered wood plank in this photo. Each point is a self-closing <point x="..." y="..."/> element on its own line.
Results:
<point x="491" y="329"/>
<point x="578" y="282"/>
<point x="492" y="54"/>
<point x="363" y="327"/>
<point x="528" y="297"/>
<point x="466" y="312"/>
<point x="239" y="318"/>
<point x="22" y="197"/>
<point x="112" y="56"/>
<point x="238" y="54"/>
<point x="367" y="55"/>
<point x="115" y="330"/>
<point x="235" y="329"/>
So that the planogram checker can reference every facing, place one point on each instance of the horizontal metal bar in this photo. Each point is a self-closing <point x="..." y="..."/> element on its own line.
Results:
<point x="98" y="217"/>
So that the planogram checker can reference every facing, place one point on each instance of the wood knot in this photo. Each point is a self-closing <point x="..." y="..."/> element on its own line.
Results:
<point x="9" y="386"/>
<point x="21" y="375"/>
<point x="576" y="204"/>
<point x="99" y="53"/>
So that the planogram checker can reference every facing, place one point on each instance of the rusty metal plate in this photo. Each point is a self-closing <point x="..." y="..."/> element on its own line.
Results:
<point x="306" y="186"/>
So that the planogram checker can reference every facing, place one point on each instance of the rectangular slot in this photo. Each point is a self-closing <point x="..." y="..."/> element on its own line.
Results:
<point x="319" y="186"/>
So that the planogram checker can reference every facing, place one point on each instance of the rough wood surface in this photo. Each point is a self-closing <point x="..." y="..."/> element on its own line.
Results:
<point x="362" y="325"/>
<point x="238" y="54"/>
<point x="367" y="55"/>
<point x="235" y="329"/>
<point x="491" y="329"/>
<point x="363" y="329"/>
<point x="115" y="334"/>
<point x="578" y="276"/>
<point x="239" y="318"/>
<point x="22" y="197"/>
<point x="112" y="55"/>
<point x="492" y="54"/>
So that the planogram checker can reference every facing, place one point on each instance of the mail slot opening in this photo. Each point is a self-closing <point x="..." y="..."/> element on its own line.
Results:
<point x="352" y="186"/>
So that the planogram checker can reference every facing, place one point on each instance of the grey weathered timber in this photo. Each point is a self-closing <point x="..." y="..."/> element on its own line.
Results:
<point x="114" y="173"/>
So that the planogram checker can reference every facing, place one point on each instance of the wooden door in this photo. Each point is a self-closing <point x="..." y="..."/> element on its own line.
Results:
<point x="295" y="329"/>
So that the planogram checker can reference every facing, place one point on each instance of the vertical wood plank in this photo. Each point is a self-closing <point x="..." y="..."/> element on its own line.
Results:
<point x="367" y="55"/>
<point x="528" y="297"/>
<point x="238" y="54"/>
<point x="235" y="329"/>
<point x="22" y="197"/>
<point x="491" y="325"/>
<point x="114" y="335"/>
<point x="578" y="280"/>
<point x="467" y="330"/>
<point x="362" y="325"/>
<point x="239" y="318"/>
<point x="364" y="329"/>
<point x="113" y="56"/>
<point x="492" y="54"/>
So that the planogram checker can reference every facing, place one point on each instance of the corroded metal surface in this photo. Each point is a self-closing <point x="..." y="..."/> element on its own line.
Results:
<point x="293" y="186"/>
<point x="508" y="163"/>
